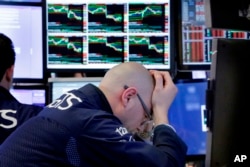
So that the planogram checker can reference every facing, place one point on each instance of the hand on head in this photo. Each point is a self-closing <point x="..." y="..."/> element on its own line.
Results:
<point x="155" y="89"/>
<point x="163" y="96"/>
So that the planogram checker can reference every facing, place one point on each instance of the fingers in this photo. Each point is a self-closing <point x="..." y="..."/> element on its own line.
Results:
<point x="162" y="78"/>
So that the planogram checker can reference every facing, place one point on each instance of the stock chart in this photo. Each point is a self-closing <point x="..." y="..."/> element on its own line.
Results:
<point x="96" y="35"/>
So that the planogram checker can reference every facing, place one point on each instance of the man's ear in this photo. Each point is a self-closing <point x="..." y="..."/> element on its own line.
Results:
<point x="127" y="94"/>
<point x="9" y="73"/>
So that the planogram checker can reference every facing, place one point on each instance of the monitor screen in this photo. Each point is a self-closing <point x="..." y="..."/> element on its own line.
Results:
<point x="187" y="114"/>
<point x="94" y="35"/>
<point x="23" y="24"/>
<point x="58" y="86"/>
<point x="30" y="95"/>
<point x="195" y="46"/>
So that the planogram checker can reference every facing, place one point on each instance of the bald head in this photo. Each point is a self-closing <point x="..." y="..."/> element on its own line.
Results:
<point x="131" y="74"/>
<point x="124" y="102"/>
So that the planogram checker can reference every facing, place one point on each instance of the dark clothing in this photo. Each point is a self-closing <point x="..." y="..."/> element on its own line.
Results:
<point x="79" y="129"/>
<point x="13" y="113"/>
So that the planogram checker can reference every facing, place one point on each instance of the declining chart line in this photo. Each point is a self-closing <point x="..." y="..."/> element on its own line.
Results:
<point x="104" y="40"/>
<point x="65" y="41"/>
<point x="64" y="9"/>
<point x="147" y="42"/>
<point x="99" y="9"/>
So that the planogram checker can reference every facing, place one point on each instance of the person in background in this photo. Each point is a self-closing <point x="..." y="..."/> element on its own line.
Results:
<point x="12" y="112"/>
<point x="103" y="126"/>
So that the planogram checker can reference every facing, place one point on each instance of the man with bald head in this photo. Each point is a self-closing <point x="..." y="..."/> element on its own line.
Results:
<point x="109" y="125"/>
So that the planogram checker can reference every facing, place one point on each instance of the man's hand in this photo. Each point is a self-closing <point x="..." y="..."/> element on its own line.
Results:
<point x="163" y="96"/>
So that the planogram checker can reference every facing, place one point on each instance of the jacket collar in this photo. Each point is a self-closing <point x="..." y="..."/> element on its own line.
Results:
<point x="97" y="97"/>
<point x="5" y="94"/>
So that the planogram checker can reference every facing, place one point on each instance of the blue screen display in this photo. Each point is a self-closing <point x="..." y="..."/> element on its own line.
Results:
<point x="186" y="115"/>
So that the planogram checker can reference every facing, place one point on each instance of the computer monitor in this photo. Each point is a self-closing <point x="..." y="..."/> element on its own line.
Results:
<point x="23" y="23"/>
<point x="187" y="115"/>
<point x="195" y="36"/>
<point x="228" y="109"/>
<point x="36" y="95"/>
<point x="58" y="86"/>
<point x="93" y="35"/>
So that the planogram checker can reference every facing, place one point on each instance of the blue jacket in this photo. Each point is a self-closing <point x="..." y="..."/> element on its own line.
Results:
<point x="13" y="113"/>
<point x="79" y="129"/>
